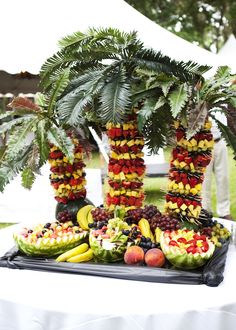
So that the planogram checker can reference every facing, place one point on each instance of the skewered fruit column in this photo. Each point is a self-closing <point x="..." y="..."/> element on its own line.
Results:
<point x="189" y="161"/>
<point x="67" y="180"/>
<point x="126" y="167"/>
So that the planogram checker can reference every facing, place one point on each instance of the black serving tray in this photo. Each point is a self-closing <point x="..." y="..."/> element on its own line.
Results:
<point x="210" y="274"/>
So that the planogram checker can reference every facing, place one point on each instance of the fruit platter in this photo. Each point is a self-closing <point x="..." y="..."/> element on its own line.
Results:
<point x="140" y="244"/>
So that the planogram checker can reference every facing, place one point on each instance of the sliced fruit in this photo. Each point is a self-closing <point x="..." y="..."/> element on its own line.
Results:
<point x="185" y="249"/>
<point x="50" y="239"/>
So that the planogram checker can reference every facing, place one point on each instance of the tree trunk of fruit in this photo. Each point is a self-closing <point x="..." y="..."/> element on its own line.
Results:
<point x="126" y="167"/>
<point x="187" y="167"/>
<point x="67" y="180"/>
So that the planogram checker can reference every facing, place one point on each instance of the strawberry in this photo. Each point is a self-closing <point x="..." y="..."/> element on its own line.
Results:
<point x="188" y="160"/>
<point x="205" y="247"/>
<point x="173" y="243"/>
<point x="191" y="249"/>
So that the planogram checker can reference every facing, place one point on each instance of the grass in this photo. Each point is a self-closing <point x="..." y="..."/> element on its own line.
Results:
<point x="155" y="187"/>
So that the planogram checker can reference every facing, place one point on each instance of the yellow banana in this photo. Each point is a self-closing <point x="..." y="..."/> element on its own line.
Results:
<point x="90" y="217"/>
<point x="86" y="256"/>
<point x="158" y="232"/>
<point x="145" y="229"/>
<point x="73" y="252"/>
<point x="82" y="216"/>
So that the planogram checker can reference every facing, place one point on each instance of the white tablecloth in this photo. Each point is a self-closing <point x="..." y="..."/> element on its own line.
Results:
<point x="33" y="300"/>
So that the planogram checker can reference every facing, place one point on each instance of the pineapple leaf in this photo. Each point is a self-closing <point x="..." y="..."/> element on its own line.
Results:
<point x="178" y="99"/>
<point x="59" y="138"/>
<point x="27" y="178"/>
<point x="196" y="119"/>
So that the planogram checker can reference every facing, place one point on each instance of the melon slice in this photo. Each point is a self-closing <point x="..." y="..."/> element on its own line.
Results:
<point x="50" y="239"/>
<point x="186" y="249"/>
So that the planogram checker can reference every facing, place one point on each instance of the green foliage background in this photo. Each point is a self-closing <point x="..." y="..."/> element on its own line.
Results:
<point x="208" y="23"/>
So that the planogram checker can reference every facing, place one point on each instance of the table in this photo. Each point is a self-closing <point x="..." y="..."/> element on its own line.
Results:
<point x="32" y="300"/>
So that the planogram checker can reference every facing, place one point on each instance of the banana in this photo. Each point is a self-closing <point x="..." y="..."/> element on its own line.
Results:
<point x="158" y="232"/>
<point x="82" y="216"/>
<point x="145" y="229"/>
<point x="73" y="252"/>
<point x="90" y="217"/>
<point x="86" y="256"/>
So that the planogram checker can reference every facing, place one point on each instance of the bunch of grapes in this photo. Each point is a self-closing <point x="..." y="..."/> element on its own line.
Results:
<point x="65" y="216"/>
<point x="207" y="231"/>
<point x="164" y="222"/>
<point x="146" y="243"/>
<point x="205" y="218"/>
<point x="133" y="216"/>
<point x="149" y="211"/>
<point x="100" y="214"/>
<point x="219" y="234"/>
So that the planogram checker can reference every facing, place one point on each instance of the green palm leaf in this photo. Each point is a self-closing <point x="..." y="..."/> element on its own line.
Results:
<point x="41" y="141"/>
<point x="19" y="139"/>
<point x="115" y="98"/>
<point x="59" y="138"/>
<point x="27" y="178"/>
<point x="7" y="126"/>
<point x="58" y="88"/>
<point x="227" y="134"/>
<point x="178" y="99"/>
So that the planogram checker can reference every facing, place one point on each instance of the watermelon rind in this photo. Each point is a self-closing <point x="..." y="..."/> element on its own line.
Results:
<point x="46" y="247"/>
<point x="183" y="260"/>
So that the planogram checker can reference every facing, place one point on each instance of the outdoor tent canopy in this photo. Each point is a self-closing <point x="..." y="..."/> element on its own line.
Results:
<point x="30" y="30"/>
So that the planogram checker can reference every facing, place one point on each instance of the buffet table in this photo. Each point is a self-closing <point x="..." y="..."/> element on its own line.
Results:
<point x="35" y="300"/>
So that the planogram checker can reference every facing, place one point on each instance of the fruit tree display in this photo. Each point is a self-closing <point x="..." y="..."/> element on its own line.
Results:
<point x="107" y="79"/>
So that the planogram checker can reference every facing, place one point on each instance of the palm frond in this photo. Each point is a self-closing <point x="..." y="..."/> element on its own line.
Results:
<point x="58" y="87"/>
<point x="10" y="169"/>
<point x="19" y="139"/>
<point x="178" y="98"/>
<point x="115" y="98"/>
<point x="27" y="178"/>
<point x="7" y="126"/>
<point x="155" y="61"/>
<point x="158" y="129"/>
<point x="59" y="138"/>
<point x="227" y="134"/>
<point x="196" y="119"/>
<point x="41" y="141"/>
<point x="76" y="115"/>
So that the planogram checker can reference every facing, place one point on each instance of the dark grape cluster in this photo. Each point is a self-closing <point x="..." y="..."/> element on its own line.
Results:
<point x="146" y="243"/>
<point x="206" y="231"/>
<point x="100" y="218"/>
<point x="133" y="216"/>
<point x="164" y="222"/>
<point x="149" y="211"/>
<point x="100" y="214"/>
<point x="65" y="216"/>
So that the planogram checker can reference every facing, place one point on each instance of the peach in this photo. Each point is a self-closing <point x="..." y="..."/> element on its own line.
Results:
<point x="154" y="258"/>
<point x="134" y="255"/>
